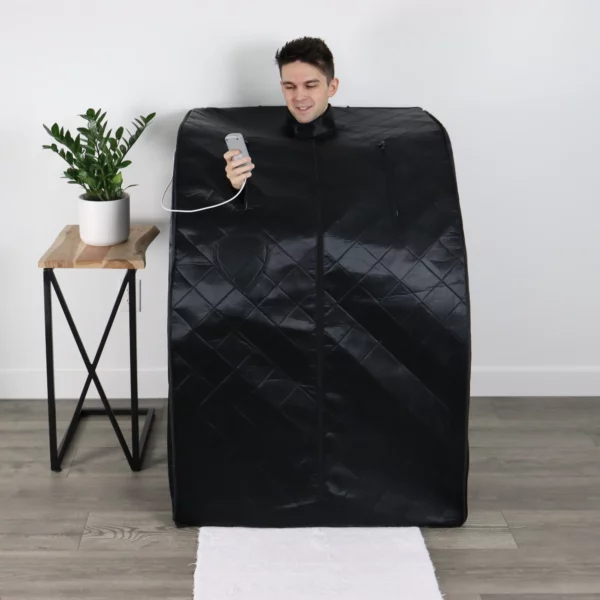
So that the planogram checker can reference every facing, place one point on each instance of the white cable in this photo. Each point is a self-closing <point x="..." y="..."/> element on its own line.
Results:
<point x="162" y="202"/>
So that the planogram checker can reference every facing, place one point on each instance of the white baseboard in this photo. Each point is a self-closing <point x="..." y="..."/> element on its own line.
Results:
<point x="535" y="381"/>
<point x="152" y="383"/>
<point x="68" y="383"/>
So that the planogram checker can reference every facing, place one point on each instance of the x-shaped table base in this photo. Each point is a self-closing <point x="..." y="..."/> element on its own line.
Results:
<point x="135" y="456"/>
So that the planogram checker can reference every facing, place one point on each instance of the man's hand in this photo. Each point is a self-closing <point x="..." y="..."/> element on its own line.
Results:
<point x="237" y="170"/>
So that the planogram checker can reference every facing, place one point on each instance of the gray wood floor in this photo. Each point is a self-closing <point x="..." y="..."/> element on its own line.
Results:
<point x="98" y="531"/>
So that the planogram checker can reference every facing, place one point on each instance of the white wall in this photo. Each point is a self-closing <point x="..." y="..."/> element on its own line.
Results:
<point x="514" y="81"/>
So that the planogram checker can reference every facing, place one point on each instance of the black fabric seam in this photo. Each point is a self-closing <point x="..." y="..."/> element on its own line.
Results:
<point x="320" y="300"/>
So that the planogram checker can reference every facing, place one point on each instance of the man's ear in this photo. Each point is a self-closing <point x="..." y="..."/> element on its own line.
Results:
<point x="333" y="86"/>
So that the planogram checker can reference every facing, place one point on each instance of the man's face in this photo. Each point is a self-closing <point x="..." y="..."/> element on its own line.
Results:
<point x="306" y="91"/>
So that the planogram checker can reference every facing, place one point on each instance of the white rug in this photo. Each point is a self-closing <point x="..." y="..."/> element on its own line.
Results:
<point x="314" y="564"/>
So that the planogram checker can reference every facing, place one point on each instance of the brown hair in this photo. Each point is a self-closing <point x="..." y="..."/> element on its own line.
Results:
<point x="313" y="51"/>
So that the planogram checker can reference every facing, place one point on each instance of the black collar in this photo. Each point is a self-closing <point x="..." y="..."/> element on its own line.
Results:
<point x="322" y="127"/>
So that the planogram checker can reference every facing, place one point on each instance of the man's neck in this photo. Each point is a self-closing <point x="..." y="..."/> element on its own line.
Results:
<point x="322" y="126"/>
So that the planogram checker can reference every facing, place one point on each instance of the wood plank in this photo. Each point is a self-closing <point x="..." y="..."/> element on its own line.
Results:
<point x="92" y="432"/>
<point x="485" y="421"/>
<point x="135" y="492"/>
<point x="491" y="437"/>
<point x="527" y="558"/>
<point x="544" y="407"/>
<point x="525" y="492"/>
<point x="26" y="469"/>
<point x="577" y="422"/>
<point x="41" y="530"/>
<point x="486" y="530"/>
<point x="523" y="571"/>
<point x="37" y="410"/>
<point x="99" y="462"/>
<point x="39" y="438"/>
<point x="552" y="518"/>
<point x="69" y="252"/>
<point x="468" y="538"/>
<point x="63" y="536"/>
<point x="537" y="462"/>
<point x="564" y="530"/>
<point x="76" y="574"/>
<point x="480" y="406"/>
<point x="540" y="597"/>
<point x="137" y="530"/>
<point x="131" y="595"/>
<point x="44" y="513"/>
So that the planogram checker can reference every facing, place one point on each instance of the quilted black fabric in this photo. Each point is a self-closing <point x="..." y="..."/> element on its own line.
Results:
<point x="319" y="325"/>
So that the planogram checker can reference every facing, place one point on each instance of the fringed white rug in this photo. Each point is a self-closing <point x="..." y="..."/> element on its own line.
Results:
<point x="314" y="564"/>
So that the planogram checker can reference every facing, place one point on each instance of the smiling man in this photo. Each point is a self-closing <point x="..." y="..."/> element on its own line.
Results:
<point x="308" y="81"/>
<point x="307" y="77"/>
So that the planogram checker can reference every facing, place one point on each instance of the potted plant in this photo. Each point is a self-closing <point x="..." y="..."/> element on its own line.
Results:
<point x="96" y="159"/>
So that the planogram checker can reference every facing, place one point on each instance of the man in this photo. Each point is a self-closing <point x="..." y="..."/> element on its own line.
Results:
<point x="308" y="81"/>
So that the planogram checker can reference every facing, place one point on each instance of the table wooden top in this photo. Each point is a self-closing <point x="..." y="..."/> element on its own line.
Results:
<point x="69" y="252"/>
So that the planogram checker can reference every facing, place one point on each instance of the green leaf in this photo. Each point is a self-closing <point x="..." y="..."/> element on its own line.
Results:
<point x="96" y="155"/>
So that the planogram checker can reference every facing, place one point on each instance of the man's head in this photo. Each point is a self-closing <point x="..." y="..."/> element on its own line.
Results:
<point x="307" y="77"/>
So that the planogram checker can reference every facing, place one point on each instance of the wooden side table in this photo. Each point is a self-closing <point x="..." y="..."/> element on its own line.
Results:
<point x="69" y="252"/>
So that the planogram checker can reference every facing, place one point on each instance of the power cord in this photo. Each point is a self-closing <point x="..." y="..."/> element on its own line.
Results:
<point x="162" y="202"/>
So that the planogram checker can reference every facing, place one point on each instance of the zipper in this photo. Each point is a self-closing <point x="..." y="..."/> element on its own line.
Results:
<point x="319" y="310"/>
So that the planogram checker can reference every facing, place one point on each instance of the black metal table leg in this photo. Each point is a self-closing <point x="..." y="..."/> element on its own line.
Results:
<point x="133" y="372"/>
<point x="54" y="461"/>
<point x="136" y="455"/>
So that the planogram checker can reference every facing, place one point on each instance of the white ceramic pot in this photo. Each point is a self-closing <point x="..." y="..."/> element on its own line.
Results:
<point x="104" y="222"/>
